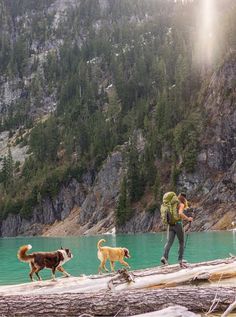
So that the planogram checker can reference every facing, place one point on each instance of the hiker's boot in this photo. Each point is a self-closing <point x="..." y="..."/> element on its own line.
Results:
<point x="164" y="261"/>
<point x="183" y="264"/>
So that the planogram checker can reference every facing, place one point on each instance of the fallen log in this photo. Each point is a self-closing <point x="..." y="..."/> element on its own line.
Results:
<point x="158" y="277"/>
<point x="123" y="303"/>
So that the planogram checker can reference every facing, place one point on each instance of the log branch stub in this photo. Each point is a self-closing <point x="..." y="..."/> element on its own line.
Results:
<point x="122" y="277"/>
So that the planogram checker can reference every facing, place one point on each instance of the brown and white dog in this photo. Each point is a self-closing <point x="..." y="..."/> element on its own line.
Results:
<point x="111" y="254"/>
<point x="40" y="260"/>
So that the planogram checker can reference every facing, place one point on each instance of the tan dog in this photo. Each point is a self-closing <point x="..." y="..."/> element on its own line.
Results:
<point x="111" y="254"/>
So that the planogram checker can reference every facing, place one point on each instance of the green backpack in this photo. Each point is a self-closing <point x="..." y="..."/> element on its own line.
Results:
<point x="169" y="209"/>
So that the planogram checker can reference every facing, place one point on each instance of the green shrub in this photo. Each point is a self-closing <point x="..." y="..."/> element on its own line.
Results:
<point x="152" y="208"/>
<point x="12" y="207"/>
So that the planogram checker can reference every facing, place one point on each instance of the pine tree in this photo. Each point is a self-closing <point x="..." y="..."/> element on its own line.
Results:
<point x="7" y="170"/>
<point x="4" y="172"/>
<point x="134" y="176"/>
<point x="123" y="210"/>
<point x="156" y="187"/>
<point x="149" y="167"/>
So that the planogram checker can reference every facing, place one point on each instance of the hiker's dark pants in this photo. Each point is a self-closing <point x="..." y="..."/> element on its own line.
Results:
<point x="178" y="230"/>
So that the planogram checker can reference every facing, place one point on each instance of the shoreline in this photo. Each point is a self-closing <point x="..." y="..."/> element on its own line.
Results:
<point x="114" y="234"/>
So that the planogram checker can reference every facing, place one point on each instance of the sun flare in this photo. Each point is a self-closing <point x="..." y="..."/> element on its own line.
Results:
<point x="206" y="35"/>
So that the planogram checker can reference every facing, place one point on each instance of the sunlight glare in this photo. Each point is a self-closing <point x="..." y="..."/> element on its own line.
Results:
<point x="207" y="35"/>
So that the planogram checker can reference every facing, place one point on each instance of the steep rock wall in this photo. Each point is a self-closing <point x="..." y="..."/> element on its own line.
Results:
<point x="97" y="211"/>
<point x="212" y="185"/>
<point x="48" y="211"/>
<point x="96" y="199"/>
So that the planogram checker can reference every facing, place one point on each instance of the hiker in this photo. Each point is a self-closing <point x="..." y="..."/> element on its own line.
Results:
<point x="172" y="211"/>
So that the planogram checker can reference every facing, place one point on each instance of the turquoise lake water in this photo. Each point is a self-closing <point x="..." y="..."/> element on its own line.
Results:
<point x="145" y="250"/>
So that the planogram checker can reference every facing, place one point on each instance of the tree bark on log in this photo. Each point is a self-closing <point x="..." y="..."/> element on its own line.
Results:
<point x="124" y="303"/>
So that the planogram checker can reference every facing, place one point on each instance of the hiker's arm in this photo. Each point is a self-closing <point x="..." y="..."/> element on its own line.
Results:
<point x="181" y="213"/>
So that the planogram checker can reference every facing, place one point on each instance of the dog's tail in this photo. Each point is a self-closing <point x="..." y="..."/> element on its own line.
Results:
<point x="99" y="243"/>
<point x="22" y="256"/>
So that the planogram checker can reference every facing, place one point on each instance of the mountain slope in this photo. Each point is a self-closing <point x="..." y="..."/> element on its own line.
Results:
<point x="213" y="183"/>
<point x="104" y="108"/>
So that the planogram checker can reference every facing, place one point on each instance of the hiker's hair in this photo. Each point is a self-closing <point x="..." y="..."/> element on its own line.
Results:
<point x="182" y="199"/>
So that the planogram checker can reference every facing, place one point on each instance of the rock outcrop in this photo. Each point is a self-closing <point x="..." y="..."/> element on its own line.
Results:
<point x="212" y="185"/>
<point x="97" y="211"/>
<point x="95" y="201"/>
<point x="48" y="211"/>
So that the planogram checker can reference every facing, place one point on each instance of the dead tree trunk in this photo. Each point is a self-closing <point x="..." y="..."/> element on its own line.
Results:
<point x="158" y="277"/>
<point x="124" y="303"/>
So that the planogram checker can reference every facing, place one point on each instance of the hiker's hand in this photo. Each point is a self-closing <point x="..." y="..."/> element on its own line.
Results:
<point x="190" y="219"/>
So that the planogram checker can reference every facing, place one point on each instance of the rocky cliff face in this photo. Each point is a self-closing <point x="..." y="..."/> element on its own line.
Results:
<point x="95" y="203"/>
<point x="97" y="210"/>
<point x="49" y="210"/>
<point x="212" y="185"/>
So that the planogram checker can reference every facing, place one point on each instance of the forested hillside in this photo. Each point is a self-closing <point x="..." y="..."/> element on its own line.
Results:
<point x="130" y="83"/>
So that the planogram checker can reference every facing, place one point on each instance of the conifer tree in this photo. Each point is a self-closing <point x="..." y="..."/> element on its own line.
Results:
<point x="123" y="210"/>
<point x="7" y="170"/>
<point x="156" y="187"/>
<point x="134" y="176"/>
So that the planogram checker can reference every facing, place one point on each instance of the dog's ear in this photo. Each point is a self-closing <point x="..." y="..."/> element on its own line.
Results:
<point x="126" y="253"/>
<point x="68" y="253"/>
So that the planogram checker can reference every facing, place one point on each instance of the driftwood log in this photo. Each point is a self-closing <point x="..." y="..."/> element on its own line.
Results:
<point x="159" y="277"/>
<point x="124" y="303"/>
<point x="126" y="293"/>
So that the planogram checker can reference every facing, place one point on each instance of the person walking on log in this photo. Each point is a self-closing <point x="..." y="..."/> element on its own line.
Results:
<point x="172" y="213"/>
